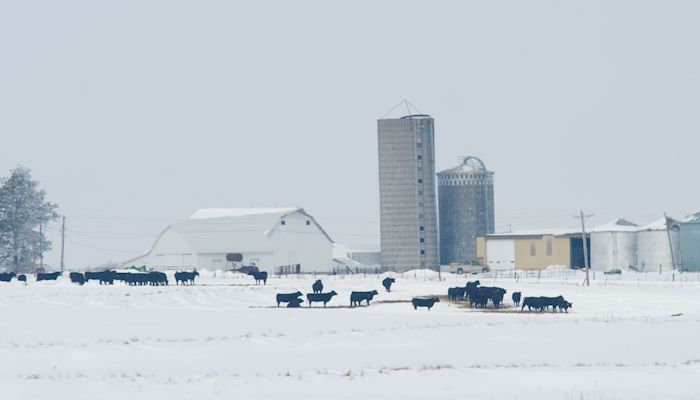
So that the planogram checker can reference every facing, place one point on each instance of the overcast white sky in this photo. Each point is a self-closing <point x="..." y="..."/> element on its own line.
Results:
<point x="133" y="114"/>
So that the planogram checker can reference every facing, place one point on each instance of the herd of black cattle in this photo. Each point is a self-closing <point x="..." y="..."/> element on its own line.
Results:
<point x="153" y="278"/>
<point x="478" y="296"/>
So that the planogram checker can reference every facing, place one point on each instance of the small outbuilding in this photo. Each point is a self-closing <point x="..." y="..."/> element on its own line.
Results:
<point x="229" y="237"/>
<point x="532" y="249"/>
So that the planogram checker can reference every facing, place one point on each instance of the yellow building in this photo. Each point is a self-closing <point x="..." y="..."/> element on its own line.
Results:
<point x="531" y="249"/>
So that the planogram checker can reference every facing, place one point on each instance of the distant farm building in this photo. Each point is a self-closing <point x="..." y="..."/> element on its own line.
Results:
<point x="265" y="237"/>
<point x="531" y="249"/>
<point x="658" y="246"/>
<point x="614" y="245"/>
<point x="690" y="242"/>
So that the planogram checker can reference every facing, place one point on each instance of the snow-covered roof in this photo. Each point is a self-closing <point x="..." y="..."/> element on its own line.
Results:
<point x="618" y="225"/>
<point x="538" y="232"/>
<point x="658" y="225"/>
<point x="208" y="213"/>
<point x="693" y="218"/>
<point x="230" y="230"/>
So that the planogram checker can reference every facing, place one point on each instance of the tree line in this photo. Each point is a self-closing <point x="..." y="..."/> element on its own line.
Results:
<point x="24" y="210"/>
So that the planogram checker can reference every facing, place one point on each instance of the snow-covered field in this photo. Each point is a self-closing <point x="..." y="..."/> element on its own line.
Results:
<point x="624" y="339"/>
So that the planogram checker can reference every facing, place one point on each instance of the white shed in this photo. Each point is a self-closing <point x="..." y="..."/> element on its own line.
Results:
<point x="266" y="237"/>
<point x="654" y="248"/>
<point x="614" y="245"/>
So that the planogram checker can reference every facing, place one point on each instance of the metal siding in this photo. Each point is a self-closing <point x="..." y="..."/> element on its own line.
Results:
<point x="690" y="246"/>
<point x="466" y="210"/>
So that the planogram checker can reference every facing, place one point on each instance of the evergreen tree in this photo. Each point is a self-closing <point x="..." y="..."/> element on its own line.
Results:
<point x="23" y="208"/>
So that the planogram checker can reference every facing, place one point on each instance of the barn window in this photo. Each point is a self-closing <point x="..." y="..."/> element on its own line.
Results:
<point x="308" y="222"/>
<point x="422" y="252"/>
<point x="420" y="157"/>
<point x="422" y="228"/>
<point x="284" y="222"/>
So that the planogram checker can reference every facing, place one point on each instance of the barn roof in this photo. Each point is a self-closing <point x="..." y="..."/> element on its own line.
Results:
<point x="534" y="233"/>
<point x="232" y="230"/>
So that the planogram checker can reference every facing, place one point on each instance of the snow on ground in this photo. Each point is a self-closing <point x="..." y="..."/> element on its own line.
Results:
<point x="223" y="338"/>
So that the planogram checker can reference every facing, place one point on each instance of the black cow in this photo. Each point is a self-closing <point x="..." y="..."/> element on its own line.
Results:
<point x="387" y="282"/>
<point x="187" y="278"/>
<point x="51" y="276"/>
<point x="495" y="294"/>
<point x="563" y="305"/>
<point x="91" y="276"/>
<point x="134" y="279"/>
<point x="542" y="303"/>
<point x="77" y="277"/>
<point x="157" y="278"/>
<point x="295" y="303"/>
<point x="478" y="298"/>
<point x="428" y="303"/>
<point x="260" y="276"/>
<point x="532" y="302"/>
<point x="456" y="293"/>
<point x="551" y="302"/>
<point x="470" y="287"/>
<point x="287" y="297"/>
<point x="7" y="276"/>
<point x="119" y="276"/>
<point x="356" y="298"/>
<point x="22" y="278"/>
<point x="320" y="297"/>
<point x="106" y="277"/>
<point x="317" y="287"/>
<point x="516" y="298"/>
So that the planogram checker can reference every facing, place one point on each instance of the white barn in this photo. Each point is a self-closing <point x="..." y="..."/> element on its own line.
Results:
<point x="265" y="237"/>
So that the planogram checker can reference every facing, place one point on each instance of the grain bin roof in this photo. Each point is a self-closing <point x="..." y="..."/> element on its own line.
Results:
<point x="618" y="225"/>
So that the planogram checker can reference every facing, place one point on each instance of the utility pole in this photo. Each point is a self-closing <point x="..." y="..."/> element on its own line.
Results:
<point x="41" y="247"/>
<point x="585" y="243"/>
<point x="670" y="243"/>
<point x="63" y="239"/>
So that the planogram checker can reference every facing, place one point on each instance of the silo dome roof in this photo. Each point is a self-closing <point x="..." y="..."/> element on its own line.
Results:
<point x="468" y="165"/>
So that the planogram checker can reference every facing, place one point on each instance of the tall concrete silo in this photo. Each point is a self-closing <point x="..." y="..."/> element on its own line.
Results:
<point x="654" y="249"/>
<point x="466" y="210"/>
<point x="614" y="245"/>
<point x="407" y="206"/>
